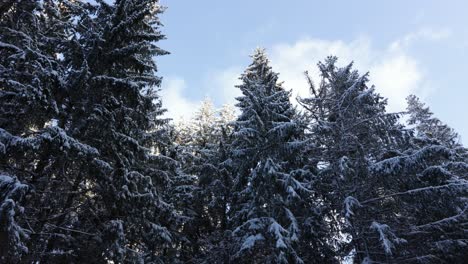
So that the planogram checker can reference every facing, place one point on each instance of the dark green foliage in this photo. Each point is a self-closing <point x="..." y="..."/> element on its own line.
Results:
<point x="380" y="183"/>
<point x="274" y="215"/>
<point x="90" y="172"/>
<point x="426" y="125"/>
<point x="87" y="141"/>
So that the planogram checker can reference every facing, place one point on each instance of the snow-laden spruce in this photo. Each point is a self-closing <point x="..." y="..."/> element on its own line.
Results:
<point x="91" y="173"/>
<point x="202" y="146"/>
<point x="425" y="124"/>
<point x="273" y="212"/>
<point x="11" y="193"/>
<point x="80" y="126"/>
<point x="392" y="197"/>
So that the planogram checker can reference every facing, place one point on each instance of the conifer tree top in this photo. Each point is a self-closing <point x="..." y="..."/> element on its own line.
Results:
<point x="260" y="55"/>
<point x="259" y="72"/>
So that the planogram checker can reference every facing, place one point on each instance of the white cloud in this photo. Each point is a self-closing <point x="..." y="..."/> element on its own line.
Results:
<point x="291" y="60"/>
<point x="222" y="85"/>
<point x="420" y="35"/>
<point x="177" y="104"/>
<point x="393" y="70"/>
<point x="395" y="73"/>
<point x="396" y="78"/>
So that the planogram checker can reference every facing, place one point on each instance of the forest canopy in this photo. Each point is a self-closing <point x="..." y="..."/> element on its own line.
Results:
<point x="92" y="171"/>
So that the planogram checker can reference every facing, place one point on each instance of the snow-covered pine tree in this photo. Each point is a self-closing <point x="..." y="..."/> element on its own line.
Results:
<point x="427" y="125"/>
<point x="47" y="197"/>
<point x="41" y="166"/>
<point x="349" y="126"/>
<point x="12" y="236"/>
<point x="226" y="115"/>
<point x="30" y="74"/>
<point x="114" y="107"/>
<point x="202" y="144"/>
<point x="214" y="190"/>
<point x="204" y="124"/>
<point x="421" y="212"/>
<point x="376" y="177"/>
<point x="273" y="214"/>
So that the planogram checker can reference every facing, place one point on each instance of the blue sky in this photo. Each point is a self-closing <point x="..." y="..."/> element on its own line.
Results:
<point x="418" y="47"/>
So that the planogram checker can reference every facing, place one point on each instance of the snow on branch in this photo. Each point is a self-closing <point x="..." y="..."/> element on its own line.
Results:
<point x="349" y="203"/>
<point x="387" y="237"/>
<point x="462" y="184"/>
<point x="11" y="193"/>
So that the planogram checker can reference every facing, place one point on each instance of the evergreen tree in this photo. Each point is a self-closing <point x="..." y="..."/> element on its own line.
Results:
<point x="203" y="146"/>
<point x="420" y="213"/>
<point x="426" y="125"/>
<point x="273" y="213"/>
<point x="117" y="111"/>
<point x="378" y="180"/>
<point x="30" y="74"/>
<point x="12" y="235"/>
<point x="214" y="196"/>
<point x="77" y="75"/>
<point x="91" y="172"/>
<point x="40" y="163"/>
<point x="349" y="126"/>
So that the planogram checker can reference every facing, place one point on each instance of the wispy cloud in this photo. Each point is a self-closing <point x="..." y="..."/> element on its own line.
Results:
<point x="393" y="70"/>
<point x="424" y="34"/>
<point x="174" y="100"/>
<point x="221" y="85"/>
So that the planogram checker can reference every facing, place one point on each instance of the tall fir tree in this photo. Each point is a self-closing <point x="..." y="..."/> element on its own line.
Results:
<point x="43" y="191"/>
<point x="420" y="212"/>
<point x="427" y="125"/>
<point x="203" y="143"/>
<point x="75" y="75"/>
<point x="273" y="214"/>
<point x="373" y="174"/>
<point x="118" y="111"/>
<point x="30" y="152"/>
<point x="91" y="172"/>
<point x="31" y="75"/>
